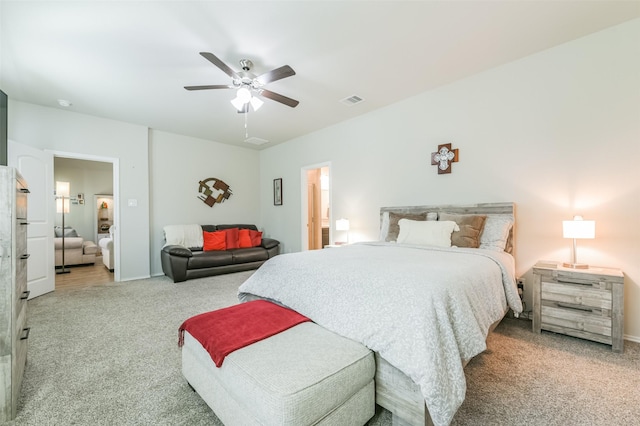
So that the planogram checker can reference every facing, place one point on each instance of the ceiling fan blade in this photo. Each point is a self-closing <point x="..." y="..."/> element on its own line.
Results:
<point x="279" y="98"/>
<point x="277" y="74"/>
<point x="218" y="63"/>
<point x="215" y="86"/>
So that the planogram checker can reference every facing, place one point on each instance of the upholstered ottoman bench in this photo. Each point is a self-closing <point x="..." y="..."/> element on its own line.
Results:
<point x="305" y="375"/>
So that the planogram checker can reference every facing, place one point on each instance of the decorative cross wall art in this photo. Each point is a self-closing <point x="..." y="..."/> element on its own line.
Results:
<point x="444" y="157"/>
<point x="214" y="190"/>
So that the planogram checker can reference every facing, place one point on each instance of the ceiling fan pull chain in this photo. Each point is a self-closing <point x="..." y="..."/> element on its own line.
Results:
<point x="246" y="127"/>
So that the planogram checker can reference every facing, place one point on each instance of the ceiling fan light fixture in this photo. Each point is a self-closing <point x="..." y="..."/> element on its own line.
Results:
<point x="238" y="104"/>
<point x="244" y="95"/>
<point x="256" y="103"/>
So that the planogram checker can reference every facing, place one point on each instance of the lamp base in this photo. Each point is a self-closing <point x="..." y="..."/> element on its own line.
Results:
<point x="63" y="271"/>
<point x="576" y="265"/>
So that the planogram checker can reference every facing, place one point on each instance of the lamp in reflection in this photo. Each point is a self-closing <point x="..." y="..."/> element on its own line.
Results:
<point x="62" y="206"/>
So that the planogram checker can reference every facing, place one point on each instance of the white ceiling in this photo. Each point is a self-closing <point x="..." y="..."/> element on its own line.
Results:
<point x="129" y="61"/>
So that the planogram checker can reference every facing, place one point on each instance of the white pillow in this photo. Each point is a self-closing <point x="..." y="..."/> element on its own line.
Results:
<point x="495" y="233"/>
<point x="426" y="233"/>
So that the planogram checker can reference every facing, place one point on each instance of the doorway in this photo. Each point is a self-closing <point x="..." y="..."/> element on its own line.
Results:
<point x="316" y="206"/>
<point x="89" y="177"/>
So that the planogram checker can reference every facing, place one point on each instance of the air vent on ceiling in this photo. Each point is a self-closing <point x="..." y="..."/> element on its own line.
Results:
<point x="256" y="141"/>
<point x="352" y="100"/>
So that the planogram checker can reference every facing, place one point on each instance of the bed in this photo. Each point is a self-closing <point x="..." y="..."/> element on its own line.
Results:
<point x="425" y="309"/>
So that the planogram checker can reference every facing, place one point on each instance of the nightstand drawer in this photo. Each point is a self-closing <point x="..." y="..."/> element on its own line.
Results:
<point x="577" y="296"/>
<point x="567" y="319"/>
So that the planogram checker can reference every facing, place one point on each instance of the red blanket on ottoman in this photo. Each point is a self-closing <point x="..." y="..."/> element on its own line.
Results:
<point x="225" y="330"/>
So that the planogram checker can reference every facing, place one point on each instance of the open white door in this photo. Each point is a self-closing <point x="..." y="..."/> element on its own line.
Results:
<point x="36" y="167"/>
<point x="316" y="206"/>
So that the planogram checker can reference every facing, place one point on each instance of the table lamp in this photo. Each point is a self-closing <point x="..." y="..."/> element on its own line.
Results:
<point x="577" y="228"/>
<point x="343" y="225"/>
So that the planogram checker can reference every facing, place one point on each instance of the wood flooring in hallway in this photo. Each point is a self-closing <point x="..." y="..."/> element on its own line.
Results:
<point x="84" y="276"/>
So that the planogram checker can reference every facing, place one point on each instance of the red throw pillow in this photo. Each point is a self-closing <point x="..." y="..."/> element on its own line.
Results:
<point x="232" y="238"/>
<point x="256" y="238"/>
<point x="244" y="238"/>
<point x="214" y="241"/>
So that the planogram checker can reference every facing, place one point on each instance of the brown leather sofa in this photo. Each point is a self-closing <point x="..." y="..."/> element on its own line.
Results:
<point x="181" y="263"/>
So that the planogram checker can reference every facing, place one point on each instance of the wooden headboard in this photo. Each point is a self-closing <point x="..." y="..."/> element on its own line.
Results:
<point x="502" y="209"/>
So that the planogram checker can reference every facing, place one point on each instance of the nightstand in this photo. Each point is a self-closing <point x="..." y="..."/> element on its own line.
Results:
<point x="585" y="303"/>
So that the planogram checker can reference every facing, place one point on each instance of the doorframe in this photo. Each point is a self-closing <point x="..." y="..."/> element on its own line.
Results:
<point x="115" y="163"/>
<point x="304" y="200"/>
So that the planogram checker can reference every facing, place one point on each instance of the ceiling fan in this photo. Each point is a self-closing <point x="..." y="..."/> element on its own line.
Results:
<point x="248" y="85"/>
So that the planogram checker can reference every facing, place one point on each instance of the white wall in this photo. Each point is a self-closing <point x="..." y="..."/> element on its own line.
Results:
<point x="557" y="133"/>
<point x="177" y="164"/>
<point x="64" y="131"/>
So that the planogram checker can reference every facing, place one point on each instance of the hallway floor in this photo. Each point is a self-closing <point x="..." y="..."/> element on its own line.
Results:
<point x="84" y="276"/>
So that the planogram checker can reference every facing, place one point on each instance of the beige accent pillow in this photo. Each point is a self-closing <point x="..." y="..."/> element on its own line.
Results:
<point x="426" y="233"/>
<point x="471" y="226"/>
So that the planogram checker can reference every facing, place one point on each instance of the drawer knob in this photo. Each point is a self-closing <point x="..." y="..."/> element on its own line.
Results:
<point x="574" y="306"/>
<point x="25" y="334"/>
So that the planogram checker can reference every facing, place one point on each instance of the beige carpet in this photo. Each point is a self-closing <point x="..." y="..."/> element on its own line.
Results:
<point x="108" y="355"/>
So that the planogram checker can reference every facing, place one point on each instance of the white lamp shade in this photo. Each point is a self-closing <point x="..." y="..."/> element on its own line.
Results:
<point x="578" y="228"/>
<point x="243" y="94"/>
<point x="237" y="103"/>
<point x="60" y="205"/>
<point x="342" y="225"/>
<point x="256" y="103"/>
<point x="62" y="189"/>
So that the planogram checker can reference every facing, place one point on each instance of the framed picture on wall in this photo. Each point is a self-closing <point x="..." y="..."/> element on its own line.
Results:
<point x="277" y="192"/>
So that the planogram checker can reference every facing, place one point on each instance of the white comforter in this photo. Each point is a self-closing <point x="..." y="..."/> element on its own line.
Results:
<point x="425" y="310"/>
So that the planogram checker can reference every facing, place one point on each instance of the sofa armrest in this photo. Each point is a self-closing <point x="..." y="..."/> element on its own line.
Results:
<point x="106" y="243"/>
<point x="69" y="243"/>
<point x="269" y="243"/>
<point x="175" y="260"/>
<point x="176" y="250"/>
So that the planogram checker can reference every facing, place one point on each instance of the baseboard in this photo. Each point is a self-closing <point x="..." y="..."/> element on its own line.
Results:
<point x="144" y="277"/>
